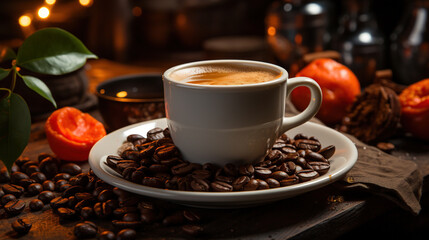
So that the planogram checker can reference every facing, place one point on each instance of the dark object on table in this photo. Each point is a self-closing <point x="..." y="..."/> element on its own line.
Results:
<point x="409" y="49"/>
<point x="359" y="40"/>
<point x="21" y="226"/>
<point x="131" y="99"/>
<point x="374" y="116"/>
<point x="384" y="78"/>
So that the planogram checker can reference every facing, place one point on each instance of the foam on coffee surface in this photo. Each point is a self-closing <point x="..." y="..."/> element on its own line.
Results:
<point x="223" y="74"/>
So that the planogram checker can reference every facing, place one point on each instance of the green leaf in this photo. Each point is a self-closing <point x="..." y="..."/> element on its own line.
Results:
<point x="39" y="87"/>
<point x="15" y="126"/>
<point x="6" y="54"/>
<point x="52" y="51"/>
<point x="4" y="73"/>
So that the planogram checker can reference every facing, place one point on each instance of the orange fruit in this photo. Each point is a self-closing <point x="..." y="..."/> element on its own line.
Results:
<point x="72" y="133"/>
<point x="415" y="109"/>
<point x="339" y="85"/>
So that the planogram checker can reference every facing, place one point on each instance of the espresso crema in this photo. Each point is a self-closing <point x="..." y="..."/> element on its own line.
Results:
<point x="225" y="74"/>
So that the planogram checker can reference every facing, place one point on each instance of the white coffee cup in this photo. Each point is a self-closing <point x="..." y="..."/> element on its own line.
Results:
<point x="236" y="124"/>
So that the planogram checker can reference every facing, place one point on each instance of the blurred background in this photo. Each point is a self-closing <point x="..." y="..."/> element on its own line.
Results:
<point x="368" y="34"/>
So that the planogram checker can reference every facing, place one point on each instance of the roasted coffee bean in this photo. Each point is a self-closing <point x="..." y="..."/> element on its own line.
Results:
<point x="86" y="212"/>
<point x="21" y="160"/>
<point x="279" y="175"/>
<point x="155" y="134"/>
<point x="43" y="155"/>
<point x="60" y="176"/>
<point x="148" y="216"/>
<point x="157" y="168"/>
<point x="219" y="186"/>
<point x="166" y="151"/>
<point x="46" y="196"/>
<point x="328" y="151"/>
<point x="64" y="187"/>
<point x="300" y="136"/>
<point x="201" y="174"/>
<point x="4" y="175"/>
<point x="246" y="170"/>
<point x="320" y="167"/>
<point x="113" y="203"/>
<point x="107" y="235"/>
<point x="308" y="144"/>
<point x="26" y="182"/>
<point x="261" y="172"/>
<point x="137" y="176"/>
<point x="102" y="210"/>
<point x="289" y="149"/>
<point x="7" y="198"/>
<point x="315" y="157"/>
<point x="14" y="207"/>
<point x="16" y="176"/>
<point x="83" y="196"/>
<point x="262" y="184"/>
<point x="175" y="218"/>
<point x="253" y="184"/>
<point x="32" y="169"/>
<point x="48" y="185"/>
<point x="226" y="179"/>
<point x="293" y="179"/>
<point x="59" y="202"/>
<point x="21" y="225"/>
<point x="60" y="183"/>
<point x="126" y="234"/>
<point x="105" y="195"/>
<point x="153" y="182"/>
<point x="200" y="185"/>
<point x="170" y="161"/>
<point x="1" y="193"/>
<point x="36" y="205"/>
<point x="123" y="164"/>
<point x="71" y="168"/>
<point x="272" y="183"/>
<point x="13" y="189"/>
<point x="131" y="217"/>
<point x="26" y="165"/>
<point x="112" y="160"/>
<point x="49" y="166"/>
<point x="126" y="146"/>
<point x="38" y="177"/>
<point x="83" y="203"/>
<point x="130" y="201"/>
<point x="131" y="155"/>
<point x="193" y="230"/>
<point x="72" y="202"/>
<point x="119" y="224"/>
<point x="34" y="189"/>
<point x="191" y="216"/>
<point x="66" y="213"/>
<point x="239" y="183"/>
<point x="306" y="175"/>
<point x="120" y="212"/>
<point x="279" y="143"/>
<point x="85" y="229"/>
<point x="303" y="163"/>
<point x="182" y="169"/>
<point x="134" y="137"/>
<point x="71" y="191"/>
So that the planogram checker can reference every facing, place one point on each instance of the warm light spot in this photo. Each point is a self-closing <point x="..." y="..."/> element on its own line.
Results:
<point x="24" y="20"/>
<point x="85" y="3"/>
<point x="137" y="11"/>
<point x="271" y="31"/>
<point x="43" y="12"/>
<point x="102" y="91"/>
<point x="122" y="94"/>
<point x="50" y="2"/>
<point x="298" y="39"/>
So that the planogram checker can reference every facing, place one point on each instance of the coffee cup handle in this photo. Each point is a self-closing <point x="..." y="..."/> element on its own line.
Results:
<point x="312" y="108"/>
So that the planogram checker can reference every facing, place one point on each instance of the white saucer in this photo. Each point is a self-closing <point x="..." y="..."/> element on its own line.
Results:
<point x="343" y="160"/>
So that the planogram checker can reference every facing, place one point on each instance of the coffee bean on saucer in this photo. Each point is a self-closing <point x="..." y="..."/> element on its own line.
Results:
<point x="85" y="229"/>
<point x="87" y="212"/>
<point x="219" y="186"/>
<point x="21" y="225"/>
<point x="126" y="234"/>
<point x="16" y="176"/>
<point x="36" y="205"/>
<point x="14" y="207"/>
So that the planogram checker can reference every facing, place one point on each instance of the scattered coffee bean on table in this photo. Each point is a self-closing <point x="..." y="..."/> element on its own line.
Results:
<point x="21" y="225"/>
<point x="156" y="162"/>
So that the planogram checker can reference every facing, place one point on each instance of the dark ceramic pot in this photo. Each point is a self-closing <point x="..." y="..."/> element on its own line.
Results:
<point x="130" y="99"/>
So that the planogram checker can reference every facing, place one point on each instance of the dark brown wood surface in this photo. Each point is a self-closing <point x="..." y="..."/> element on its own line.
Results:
<point x="326" y="213"/>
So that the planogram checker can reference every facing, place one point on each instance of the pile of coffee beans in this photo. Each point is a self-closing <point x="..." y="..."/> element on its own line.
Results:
<point x="155" y="161"/>
<point x="80" y="196"/>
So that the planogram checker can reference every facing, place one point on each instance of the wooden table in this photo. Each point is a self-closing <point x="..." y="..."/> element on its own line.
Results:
<point x="327" y="213"/>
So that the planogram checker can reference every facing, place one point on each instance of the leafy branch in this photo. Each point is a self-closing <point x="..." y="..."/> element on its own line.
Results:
<point x="50" y="51"/>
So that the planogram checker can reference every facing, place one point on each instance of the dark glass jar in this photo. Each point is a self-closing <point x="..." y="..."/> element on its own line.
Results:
<point x="410" y="44"/>
<point x="359" y="40"/>
<point x="296" y="27"/>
